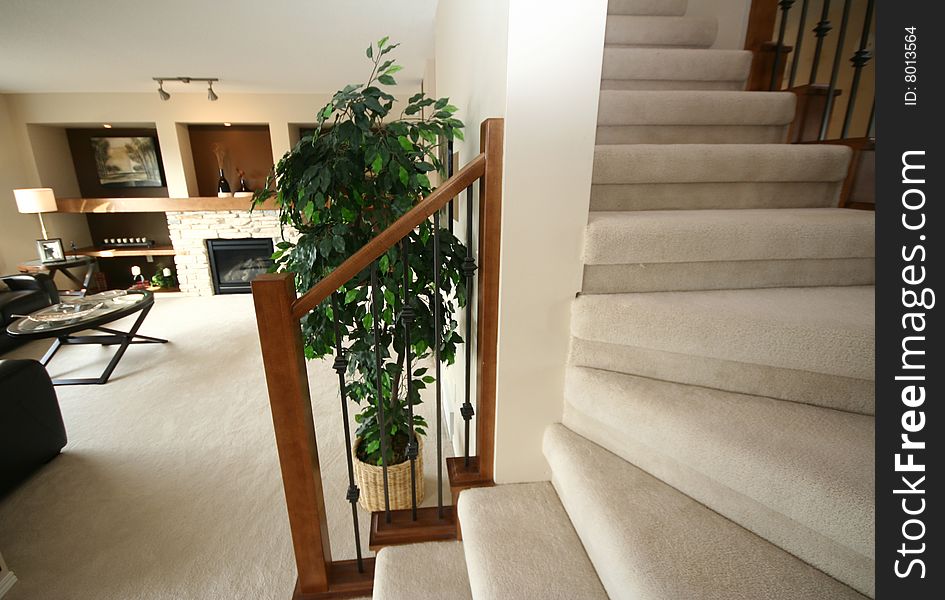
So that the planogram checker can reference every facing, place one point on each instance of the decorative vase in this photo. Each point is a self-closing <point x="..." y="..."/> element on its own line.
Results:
<point x="370" y="480"/>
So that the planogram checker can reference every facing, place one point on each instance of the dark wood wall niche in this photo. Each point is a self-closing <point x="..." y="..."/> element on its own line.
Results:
<point x="246" y="147"/>
<point x="86" y="172"/>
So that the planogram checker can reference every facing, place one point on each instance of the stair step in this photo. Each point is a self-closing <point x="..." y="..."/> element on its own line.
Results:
<point x="650" y="32"/>
<point x="674" y="69"/>
<point x="672" y="8"/>
<point x="520" y="544"/>
<point x="727" y="176"/>
<point x="779" y="469"/>
<point x="825" y="330"/>
<point x="648" y="540"/>
<point x="693" y="250"/>
<point x="688" y="117"/>
<point x="429" y="571"/>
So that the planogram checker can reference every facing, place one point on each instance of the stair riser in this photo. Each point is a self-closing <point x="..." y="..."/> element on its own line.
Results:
<point x="672" y="236"/>
<point x="805" y="387"/>
<point x="657" y="32"/>
<point x="671" y="84"/>
<point x="691" y="134"/>
<point x="657" y="64"/>
<point x="695" y="108"/>
<point x="823" y="330"/>
<point x="696" y="163"/>
<point x="732" y="275"/>
<point x="665" y="8"/>
<point x="694" y="196"/>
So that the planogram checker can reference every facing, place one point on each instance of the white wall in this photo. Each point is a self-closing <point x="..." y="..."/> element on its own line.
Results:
<point x="17" y="231"/>
<point x="540" y="69"/>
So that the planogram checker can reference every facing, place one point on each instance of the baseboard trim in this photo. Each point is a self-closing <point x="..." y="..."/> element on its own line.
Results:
<point x="6" y="582"/>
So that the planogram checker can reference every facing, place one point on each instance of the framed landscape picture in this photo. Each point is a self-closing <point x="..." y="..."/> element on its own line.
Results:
<point x="127" y="162"/>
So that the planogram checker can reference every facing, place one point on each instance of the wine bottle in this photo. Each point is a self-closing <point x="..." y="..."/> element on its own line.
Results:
<point x="223" y="186"/>
<point x="243" y="187"/>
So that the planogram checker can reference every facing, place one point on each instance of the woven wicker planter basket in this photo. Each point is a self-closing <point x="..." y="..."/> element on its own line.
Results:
<point x="370" y="479"/>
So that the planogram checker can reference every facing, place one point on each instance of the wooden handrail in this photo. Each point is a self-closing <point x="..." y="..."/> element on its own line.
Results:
<point x="361" y="259"/>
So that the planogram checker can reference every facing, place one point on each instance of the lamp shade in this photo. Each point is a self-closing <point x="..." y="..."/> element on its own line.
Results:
<point x="35" y="200"/>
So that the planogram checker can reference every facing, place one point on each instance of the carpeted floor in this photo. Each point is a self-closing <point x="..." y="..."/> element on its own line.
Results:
<point x="169" y="487"/>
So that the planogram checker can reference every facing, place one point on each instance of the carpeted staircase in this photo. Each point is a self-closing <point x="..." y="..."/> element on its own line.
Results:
<point x="717" y="440"/>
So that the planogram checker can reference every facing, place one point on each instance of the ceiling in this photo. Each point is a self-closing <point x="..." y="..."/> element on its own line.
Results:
<point x="253" y="46"/>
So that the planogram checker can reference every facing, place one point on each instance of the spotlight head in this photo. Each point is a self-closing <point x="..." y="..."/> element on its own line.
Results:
<point x="211" y="95"/>
<point x="164" y="95"/>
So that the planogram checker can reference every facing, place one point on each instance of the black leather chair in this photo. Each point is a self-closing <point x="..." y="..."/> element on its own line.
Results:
<point x="31" y="429"/>
<point x="27" y="293"/>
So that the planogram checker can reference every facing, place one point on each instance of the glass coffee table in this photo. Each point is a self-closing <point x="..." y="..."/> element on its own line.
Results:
<point x="62" y="321"/>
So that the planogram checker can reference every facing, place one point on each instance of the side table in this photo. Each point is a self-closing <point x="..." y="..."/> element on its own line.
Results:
<point x="64" y="266"/>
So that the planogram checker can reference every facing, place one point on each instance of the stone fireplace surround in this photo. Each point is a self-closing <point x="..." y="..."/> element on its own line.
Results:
<point x="190" y="230"/>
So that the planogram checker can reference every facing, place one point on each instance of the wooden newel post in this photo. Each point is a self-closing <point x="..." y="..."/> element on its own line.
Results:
<point x="491" y="135"/>
<point x="280" y="338"/>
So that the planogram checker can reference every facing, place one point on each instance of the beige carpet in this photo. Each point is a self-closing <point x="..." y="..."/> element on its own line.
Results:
<point x="169" y="487"/>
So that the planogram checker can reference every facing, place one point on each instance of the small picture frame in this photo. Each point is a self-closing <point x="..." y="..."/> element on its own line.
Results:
<point x="50" y="250"/>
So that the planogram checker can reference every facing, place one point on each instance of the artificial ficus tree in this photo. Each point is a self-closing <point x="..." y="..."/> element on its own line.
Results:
<point x="362" y="168"/>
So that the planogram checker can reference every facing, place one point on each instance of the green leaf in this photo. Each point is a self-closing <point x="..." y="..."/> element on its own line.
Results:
<point x="384" y="264"/>
<point x="387" y="80"/>
<point x="368" y="321"/>
<point x="382" y="41"/>
<point x="428" y="379"/>
<point x="423" y="180"/>
<point x="370" y="51"/>
<point x="405" y="143"/>
<point x="377" y="164"/>
<point x="404" y="176"/>
<point x="328" y="110"/>
<point x="393" y="69"/>
<point x="351" y="295"/>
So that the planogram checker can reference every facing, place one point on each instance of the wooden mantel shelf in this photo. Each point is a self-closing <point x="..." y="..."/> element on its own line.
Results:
<point x="112" y="252"/>
<point x="133" y="205"/>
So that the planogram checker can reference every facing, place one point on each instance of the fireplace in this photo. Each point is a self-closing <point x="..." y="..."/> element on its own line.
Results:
<point x="235" y="263"/>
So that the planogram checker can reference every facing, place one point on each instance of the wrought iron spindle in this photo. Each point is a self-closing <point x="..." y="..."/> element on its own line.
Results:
<point x="449" y="173"/>
<point x="871" y="124"/>
<point x="798" y="42"/>
<point x="437" y="334"/>
<point x="407" y="316"/>
<point x="835" y="71"/>
<point x="779" y="48"/>
<point x="341" y="366"/>
<point x="820" y="32"/>
<point x="469" y="270"/>
<point x="376" y="297"/>
<point x="859" y="60"/>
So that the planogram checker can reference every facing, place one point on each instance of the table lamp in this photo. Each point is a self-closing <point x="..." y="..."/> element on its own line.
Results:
<point x="36" y="200"/>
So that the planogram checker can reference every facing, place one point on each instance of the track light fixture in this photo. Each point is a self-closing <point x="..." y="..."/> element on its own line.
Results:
<point x="211" y="95"/>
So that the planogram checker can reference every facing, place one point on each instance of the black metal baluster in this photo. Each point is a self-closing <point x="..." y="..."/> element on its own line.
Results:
<point x="859" y="60"/>
<point x="437" y="334"/>
<point x="469" y="270"/>
<point x="798" y="42"/>
<point x="835" y="71"/>
<point x="785" y="9"/>
<point x="407" y="315"/>
<point x="376" y="297"/>
<point x="341" y="366"/>
<point x="820" y="31"/>
<point x="871" y="124"/>
<point x="449" y="173"/>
